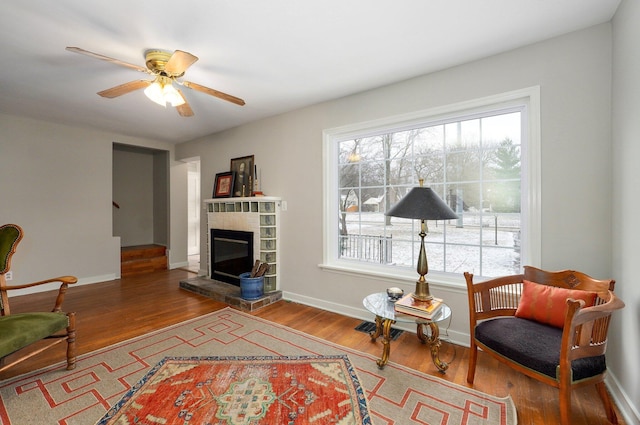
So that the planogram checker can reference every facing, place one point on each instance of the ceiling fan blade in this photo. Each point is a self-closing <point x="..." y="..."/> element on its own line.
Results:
<point x="184" y="110"/>
<point x="179" y="62"/>
<point x="107" y="58"/>
<point x="214" y="93"/>
<point x="125" y="88"/>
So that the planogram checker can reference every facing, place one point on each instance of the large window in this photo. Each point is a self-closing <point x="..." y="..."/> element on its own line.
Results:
<point x="477" y="159"/>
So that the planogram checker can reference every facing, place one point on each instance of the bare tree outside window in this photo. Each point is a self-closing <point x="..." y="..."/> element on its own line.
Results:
<point x="473" y="164"/>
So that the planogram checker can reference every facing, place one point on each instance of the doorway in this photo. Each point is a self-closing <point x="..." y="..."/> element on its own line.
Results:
<point x="193" y="213"/>
<point x="140" y="185"/>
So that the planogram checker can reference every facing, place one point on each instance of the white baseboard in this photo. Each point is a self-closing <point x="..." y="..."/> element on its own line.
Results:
<point x="453" y="336"/>
<point x="621" y="399"/>
<point x="173" y="266"/>
<point x="97" y="279"/>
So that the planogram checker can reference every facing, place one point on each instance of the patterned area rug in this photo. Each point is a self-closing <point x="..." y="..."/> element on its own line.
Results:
<point x="245" y="390"/>
<point x="396" y="395"/>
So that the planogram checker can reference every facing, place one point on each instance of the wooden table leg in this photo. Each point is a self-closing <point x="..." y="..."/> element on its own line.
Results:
<point x="383" y="326"/>
<point x="434" y="343"/>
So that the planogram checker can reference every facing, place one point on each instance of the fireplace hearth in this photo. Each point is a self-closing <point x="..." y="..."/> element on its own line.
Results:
<point x="227" y="293"/>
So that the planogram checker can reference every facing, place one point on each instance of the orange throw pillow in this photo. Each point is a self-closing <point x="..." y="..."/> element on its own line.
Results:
<point x="548" y="304"/>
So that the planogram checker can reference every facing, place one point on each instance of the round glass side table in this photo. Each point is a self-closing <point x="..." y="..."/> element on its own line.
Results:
<point x="380" y="305"/>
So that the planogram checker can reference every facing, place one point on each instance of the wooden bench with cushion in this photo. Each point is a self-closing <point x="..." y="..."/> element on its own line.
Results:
<point x="551" y="326"/>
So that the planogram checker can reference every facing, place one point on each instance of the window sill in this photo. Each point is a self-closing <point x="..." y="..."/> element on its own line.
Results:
<point x="401" y="277"/>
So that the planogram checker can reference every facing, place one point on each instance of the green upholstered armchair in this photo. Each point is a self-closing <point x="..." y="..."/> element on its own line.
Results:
<point x="18" y="331"/>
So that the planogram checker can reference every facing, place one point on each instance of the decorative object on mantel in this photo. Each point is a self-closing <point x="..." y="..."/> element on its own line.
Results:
<point x="256" y="182"/>
<point x="244" y="168"/>
<point x="223" y="185"/>
<point x="422" y="203"/>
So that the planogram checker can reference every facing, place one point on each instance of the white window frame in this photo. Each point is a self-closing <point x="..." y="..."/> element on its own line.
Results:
<point x="530" y="181"/>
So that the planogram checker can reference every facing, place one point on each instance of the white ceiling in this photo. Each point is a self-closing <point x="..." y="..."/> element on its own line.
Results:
<point x="277" y="55"/>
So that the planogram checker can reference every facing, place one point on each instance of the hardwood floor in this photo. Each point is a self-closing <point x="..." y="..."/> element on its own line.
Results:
<point x="118" y="310"/>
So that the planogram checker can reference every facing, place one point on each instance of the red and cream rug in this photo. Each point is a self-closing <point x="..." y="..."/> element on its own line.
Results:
<point x="395" y="395"/>
<point x="322" y="390"/>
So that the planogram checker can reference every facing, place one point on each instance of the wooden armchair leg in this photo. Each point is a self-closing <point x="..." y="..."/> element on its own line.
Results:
<point x="565" y="404"/>
<point x="473" y="358"/>
<point x="606" y="401"/>
<point x="71" y="342"/>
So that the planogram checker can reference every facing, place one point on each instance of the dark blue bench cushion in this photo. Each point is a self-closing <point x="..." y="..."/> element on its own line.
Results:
<point x="533" y="345"/>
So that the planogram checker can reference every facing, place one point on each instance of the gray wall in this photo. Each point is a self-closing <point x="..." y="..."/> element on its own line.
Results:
<point x="574" y="75"/>
<point x="140" y="188"/>
<point x="161" y="198"/>
<point x="133" y="192"/>
<point x="624" y="348"/>
<point x="57" y="185"/>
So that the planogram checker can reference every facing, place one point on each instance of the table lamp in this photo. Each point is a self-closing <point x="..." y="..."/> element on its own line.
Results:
<point x="422" y="203"/>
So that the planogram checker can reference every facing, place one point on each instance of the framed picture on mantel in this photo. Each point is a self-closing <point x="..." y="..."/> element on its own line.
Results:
<point x="223" y="185"/>
<point x="244" y="174"/>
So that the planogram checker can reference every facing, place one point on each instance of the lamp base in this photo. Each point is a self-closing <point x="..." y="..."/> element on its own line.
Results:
<point x="422" y="291"/>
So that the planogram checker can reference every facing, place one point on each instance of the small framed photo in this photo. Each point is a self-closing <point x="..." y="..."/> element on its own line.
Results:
<point x="244" y="169"/>
<point x="223" y="186"/>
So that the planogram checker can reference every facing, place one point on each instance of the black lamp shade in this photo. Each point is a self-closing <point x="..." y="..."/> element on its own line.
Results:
<point x="422" y="203"/>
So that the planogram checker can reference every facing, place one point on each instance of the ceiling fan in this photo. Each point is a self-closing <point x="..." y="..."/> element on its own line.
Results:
<point x="166" y="68"/>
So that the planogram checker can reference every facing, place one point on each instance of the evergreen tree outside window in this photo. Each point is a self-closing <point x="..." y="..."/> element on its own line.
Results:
<point x="474" y="161"/>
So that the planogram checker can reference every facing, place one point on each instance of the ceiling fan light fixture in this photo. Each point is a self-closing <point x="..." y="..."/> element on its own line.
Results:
<point x="155" y="93"/>
<point x="165" y="68"/>
<point x="172" y="96"/>
<point x="161" y="91"/>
